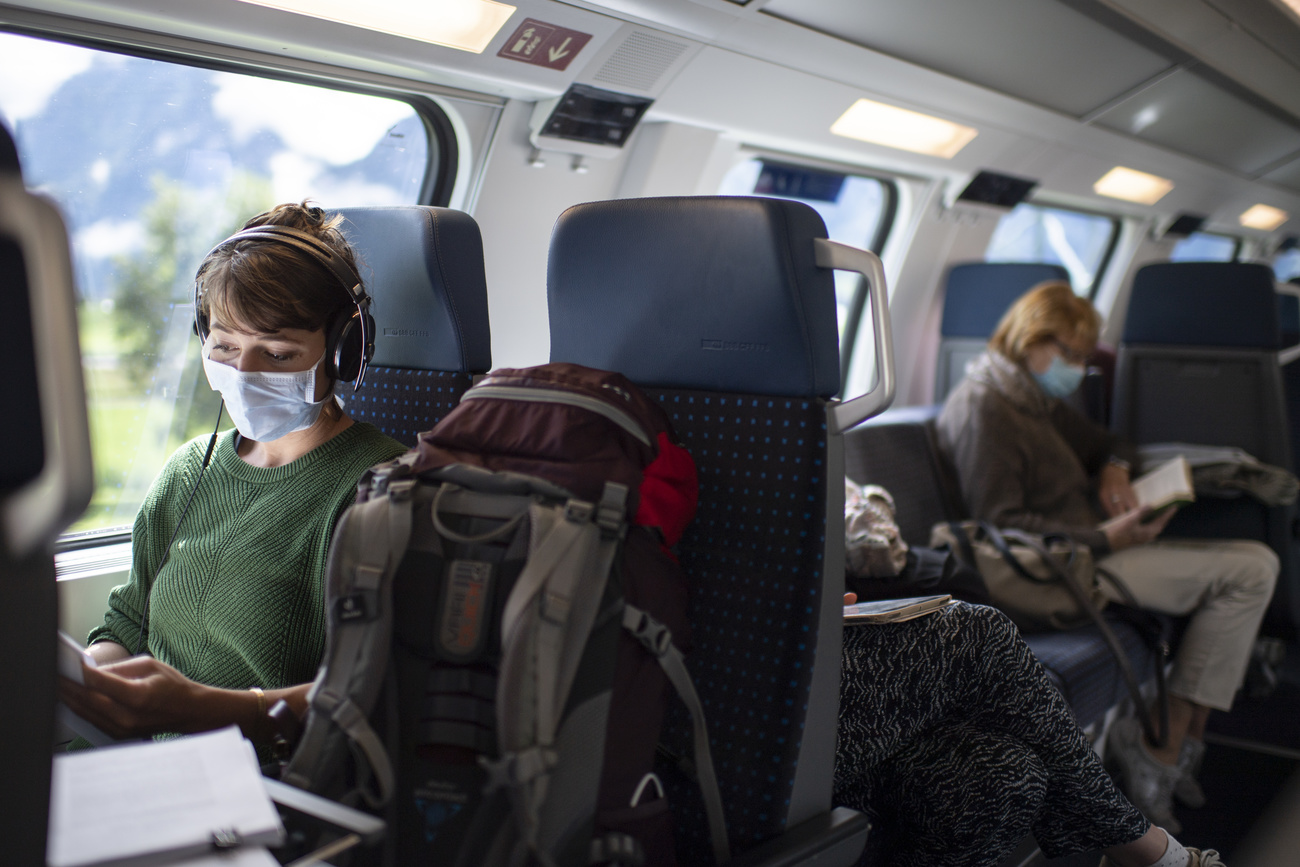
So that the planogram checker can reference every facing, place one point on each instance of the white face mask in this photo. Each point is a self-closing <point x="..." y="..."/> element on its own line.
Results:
<point x="265" y="406"/>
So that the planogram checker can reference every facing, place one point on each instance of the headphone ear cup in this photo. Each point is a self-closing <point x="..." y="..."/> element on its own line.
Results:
<point x="201" y="326"/>
<point x="344" y="350"/>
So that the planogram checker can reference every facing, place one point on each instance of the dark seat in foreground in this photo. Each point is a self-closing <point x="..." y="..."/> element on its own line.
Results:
<point x="897" y="450"/>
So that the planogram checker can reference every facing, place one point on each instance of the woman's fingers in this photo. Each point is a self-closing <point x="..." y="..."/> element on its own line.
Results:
<point x="98" y="709"/>
<point x="137" y="696"/>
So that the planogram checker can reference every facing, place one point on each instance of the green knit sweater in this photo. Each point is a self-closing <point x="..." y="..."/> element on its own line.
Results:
<point x="240" y="600"/>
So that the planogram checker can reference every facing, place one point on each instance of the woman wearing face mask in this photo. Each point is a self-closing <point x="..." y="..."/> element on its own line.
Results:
<point x="225" y="595"/>
<point x="1026" y="459"/>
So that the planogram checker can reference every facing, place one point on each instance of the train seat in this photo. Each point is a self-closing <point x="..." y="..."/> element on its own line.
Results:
<point x="423" y="266"/>
<point x="1288" y="323"/>
<point x="975" y="297"/>
<point x="1198" y="363"/>
<point x="898" y="450"/>
<point x="717" y="307"/>
<point x="46" y="481"/>
<point x="1198" y="335"/>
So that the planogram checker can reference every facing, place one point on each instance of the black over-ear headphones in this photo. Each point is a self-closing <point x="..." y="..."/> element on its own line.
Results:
<point x="349" y="340"/>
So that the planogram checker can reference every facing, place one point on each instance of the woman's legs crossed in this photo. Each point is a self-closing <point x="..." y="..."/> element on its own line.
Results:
<point x="907" y="684"/>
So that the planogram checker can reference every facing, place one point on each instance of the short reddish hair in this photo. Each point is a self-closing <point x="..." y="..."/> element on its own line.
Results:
<point x="1046" y="311"/>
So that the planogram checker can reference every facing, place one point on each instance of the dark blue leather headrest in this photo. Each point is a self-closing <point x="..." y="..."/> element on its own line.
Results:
<point x="979" y="293"/>
<point x="1203" y="304"/>
<point x="713" y="293"/>
<point x="424" y="269"/>
<point x="8" y="153"/>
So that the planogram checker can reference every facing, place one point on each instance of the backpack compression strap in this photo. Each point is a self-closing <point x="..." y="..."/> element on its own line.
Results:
<point x="545" y="627"/>
<point x="658" y="640"/>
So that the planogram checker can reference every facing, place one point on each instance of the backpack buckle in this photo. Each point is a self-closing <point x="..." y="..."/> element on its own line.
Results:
<point x="610" y="514"/>
<point x="517" y="769"/>
<point x="616" y="848"/>
<point x="653" y="635"/>
<point x="399" y="489"/>
<point x="578" y="511"/>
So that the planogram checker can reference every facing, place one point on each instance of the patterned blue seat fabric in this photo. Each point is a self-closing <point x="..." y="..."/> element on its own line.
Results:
<point x="716" y="308"/>
<point x="423" y="267"/>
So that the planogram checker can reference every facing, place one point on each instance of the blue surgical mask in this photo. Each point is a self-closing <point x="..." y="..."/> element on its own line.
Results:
<point x="1060" y="379"/>
<point x="265" y="406"/>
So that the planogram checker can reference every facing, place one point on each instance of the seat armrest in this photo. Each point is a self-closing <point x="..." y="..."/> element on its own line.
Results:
<point x="834" y="839"/>
<point x="369" y="828"/>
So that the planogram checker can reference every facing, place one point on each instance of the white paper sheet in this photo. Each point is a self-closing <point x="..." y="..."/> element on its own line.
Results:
<point x="125" y="802"/>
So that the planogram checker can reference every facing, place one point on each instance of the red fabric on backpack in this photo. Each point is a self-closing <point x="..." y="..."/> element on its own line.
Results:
<point x="670" y="492"/>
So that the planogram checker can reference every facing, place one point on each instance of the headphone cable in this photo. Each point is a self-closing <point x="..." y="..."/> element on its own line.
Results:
<point x="144" y="621"/>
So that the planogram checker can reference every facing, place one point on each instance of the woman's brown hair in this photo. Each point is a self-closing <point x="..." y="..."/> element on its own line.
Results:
<point x="1046" y="311"/>
<point x="266" y="286"/>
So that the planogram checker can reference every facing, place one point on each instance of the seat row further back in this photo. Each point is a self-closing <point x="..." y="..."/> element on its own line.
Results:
<point x="898" y="450"/>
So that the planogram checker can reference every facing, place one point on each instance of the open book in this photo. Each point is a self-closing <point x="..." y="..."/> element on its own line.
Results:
<point x="894" y="610"/>
<point x="1169" y="484"/>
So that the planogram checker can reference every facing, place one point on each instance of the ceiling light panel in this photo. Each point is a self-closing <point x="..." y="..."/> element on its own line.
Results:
<point x="1263" y="217"/>
<point x="468" y="25"/>
<point x="894" y="127"/>
<point x="1132" y="186"/>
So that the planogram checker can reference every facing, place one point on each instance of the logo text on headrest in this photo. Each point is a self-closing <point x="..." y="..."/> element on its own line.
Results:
<point x="732" y="346"/>
<point x="405" y="332"/>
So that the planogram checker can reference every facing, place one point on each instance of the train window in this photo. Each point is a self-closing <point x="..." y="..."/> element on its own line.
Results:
<point x="858" y="210"/>
<point x="152" y="163"/>
<point x="1286" y="265"/>
<point x="1077" y="240"/>
<point x="1206" y="247"/>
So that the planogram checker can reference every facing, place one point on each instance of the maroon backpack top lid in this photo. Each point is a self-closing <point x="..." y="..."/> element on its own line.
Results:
<point x="575" y="426"/>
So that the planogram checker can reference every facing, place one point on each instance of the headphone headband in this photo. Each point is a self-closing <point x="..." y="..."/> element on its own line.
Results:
<point x="344" y="273"/>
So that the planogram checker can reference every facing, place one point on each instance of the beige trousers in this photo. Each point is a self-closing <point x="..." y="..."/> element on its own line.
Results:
<point x="1225" y="585"/>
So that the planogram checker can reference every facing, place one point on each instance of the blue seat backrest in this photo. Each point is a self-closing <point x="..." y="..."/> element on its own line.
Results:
<point x="1224" y="304"/>
<point x="1198" y="360"/>
<point x="423" y="267"/>
<point x="978" y="293"/>
<point x="716" y="308"/>
<point x="975" y="297"/>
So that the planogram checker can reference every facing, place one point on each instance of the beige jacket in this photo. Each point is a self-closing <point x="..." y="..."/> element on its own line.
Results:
<point x="1024" y="459"/>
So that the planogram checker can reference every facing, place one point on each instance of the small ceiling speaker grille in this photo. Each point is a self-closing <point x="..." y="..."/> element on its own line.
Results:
<point x="640" y="61"/>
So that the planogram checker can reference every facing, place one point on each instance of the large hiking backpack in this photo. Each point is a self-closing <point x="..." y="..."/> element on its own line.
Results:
<point x="504" y="622"/>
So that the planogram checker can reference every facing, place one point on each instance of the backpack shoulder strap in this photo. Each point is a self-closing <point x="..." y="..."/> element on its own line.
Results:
<point x="658" y="640"/>
<point x="368" y="546"/>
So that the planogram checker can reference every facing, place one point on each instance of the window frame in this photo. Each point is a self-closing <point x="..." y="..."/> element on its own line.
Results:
<point x="888" y="218"/>
<point x="1116" y="226"/>
<point x="1237" y="242"/>
<point x="435" y="189"/>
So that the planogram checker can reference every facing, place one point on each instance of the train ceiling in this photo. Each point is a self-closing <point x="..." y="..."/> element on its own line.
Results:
<point x="1215" y="79"/>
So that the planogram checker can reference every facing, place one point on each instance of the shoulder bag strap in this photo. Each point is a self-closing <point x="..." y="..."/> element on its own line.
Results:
<point x="1156" y="735"/>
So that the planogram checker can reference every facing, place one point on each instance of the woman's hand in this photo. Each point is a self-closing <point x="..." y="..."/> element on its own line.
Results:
<point x="1133" y="528"/>
<point x="137" y="697"/>
<point x="850" y="598"/>
<point x="1115" y="492"/>
<point x="141" y="696"/>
